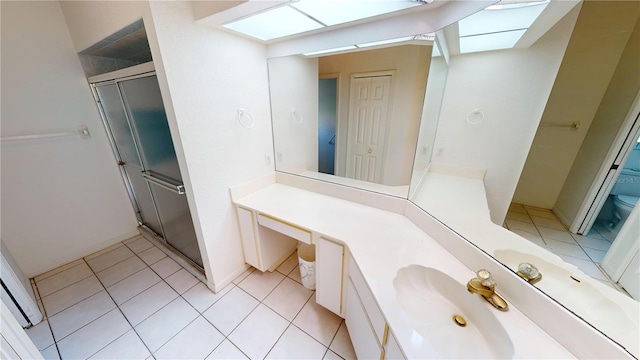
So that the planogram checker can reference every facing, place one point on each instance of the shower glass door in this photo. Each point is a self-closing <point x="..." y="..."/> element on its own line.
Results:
<point x="137" y="122"/>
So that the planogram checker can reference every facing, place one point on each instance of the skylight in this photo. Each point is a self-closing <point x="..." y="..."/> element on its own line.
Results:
<point x="498" y="26"/>
<point x="305" y="15"/>
<point x="414" y="39"/>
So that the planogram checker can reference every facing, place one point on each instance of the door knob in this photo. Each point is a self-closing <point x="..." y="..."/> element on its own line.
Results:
<point x="370" y="151"/>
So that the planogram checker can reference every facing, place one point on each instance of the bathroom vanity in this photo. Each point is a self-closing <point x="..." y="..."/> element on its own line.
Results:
<point x="389" y="269"/>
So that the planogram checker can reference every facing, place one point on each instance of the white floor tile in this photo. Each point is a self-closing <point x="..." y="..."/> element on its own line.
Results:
<point x="318" y="322"/>
<point x="258" y="332"/>
<point x="93" y="337"/>
<point x="132" y="239"/>
<point x="226" y="351"/>
<point x="288" y="298"/>
<point x="50" y="353"/>
<point x="586" y="266"/>
<point x="133" y="285"/>
<point x="518" y="216"/>
<point x="41" y="335"/>
<point x="555" y="234"/>
<point x="243" y="275"/>
<point x="156" y="330"/>
<point x="139" y="245"/>
<point x="128" y="346"/>
<point x="80" y="314"/>
<point x="587" y="242"/>
<point x="560" y="247"/>
<point x="71" y="295"/>
<point x="182" y="281"/>
<point x="342" y="345"/>
<point x="58" y="269"/>
<point x="534" y="238"/>
<point x="593" y="233"/>
<point x="519" y="225"/>
<point x="63" y="279"/>
<point x="296" y="344"/>
<point x="148" y="302"/>
<point x="289" y="264"/>
<point x="595" y="255"/>
<point x="550" y="223"/>
<point x="295" y="275"/>
<point x="152" y="255"/>
<point x="120" y="271"/>
<point x="110" y="258"/>
<point x="517" y="208"/>
<point x="259" y="284"/>
<point x="201" y="297"/>
<point x="166" y="267"/>
<point x="548" y="214"/>
<point x="103" y="251"/>
<point x="196" y="341"/>
<point x="229" y="311"/>
<point x="604" y="231"/>
<point x="330" y="355"/>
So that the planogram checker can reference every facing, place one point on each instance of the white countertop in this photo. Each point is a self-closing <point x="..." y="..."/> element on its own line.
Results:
<point x="461" y="203"/>
<point x="381" y="243"/>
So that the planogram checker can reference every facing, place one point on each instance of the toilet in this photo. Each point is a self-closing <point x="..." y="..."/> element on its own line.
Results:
<point x="626" y="193"/>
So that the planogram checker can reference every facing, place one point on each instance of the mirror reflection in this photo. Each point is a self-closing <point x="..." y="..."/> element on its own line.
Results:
<point x="362" y="130"/>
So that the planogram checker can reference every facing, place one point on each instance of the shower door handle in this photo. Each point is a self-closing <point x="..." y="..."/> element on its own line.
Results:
<point x="177" y="188"/>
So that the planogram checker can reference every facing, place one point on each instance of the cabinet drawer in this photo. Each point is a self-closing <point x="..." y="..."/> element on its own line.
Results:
<point x="284" y="228"/>
<point x="362" y="335"/>
<point x="371" y="307"/>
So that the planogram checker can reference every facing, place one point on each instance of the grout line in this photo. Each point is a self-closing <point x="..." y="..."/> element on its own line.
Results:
<point x="125" y="318"/>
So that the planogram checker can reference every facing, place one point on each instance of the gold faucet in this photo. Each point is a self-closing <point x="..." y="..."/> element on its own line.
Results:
<point x="485" y="285"/>
<point x="529" y="272"/>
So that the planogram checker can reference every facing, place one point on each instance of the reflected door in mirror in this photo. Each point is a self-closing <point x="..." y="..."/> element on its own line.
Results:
<point x="368" y="121"/>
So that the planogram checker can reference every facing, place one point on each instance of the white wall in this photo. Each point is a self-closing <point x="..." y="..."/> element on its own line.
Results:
<point x="411" y="63"/>
<point x="61" y="198"/>
<point x="293" y="84"/>
<point x="205" y="76"/>
<point x="91" y="21"/>
<point x="597" y="42"/>
<point x="608" y="120"/>
<point x="511" y="87"/>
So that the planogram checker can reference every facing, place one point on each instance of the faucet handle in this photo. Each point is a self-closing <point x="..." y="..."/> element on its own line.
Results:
<point x="485" y="277"/>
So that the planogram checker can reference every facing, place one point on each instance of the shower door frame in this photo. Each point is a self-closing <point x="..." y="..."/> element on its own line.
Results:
<point x="115" y="77"/>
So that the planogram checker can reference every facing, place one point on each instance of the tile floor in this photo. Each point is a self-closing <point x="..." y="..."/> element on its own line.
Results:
<point x="131" y="301"/>
<point x="542" y="227"/>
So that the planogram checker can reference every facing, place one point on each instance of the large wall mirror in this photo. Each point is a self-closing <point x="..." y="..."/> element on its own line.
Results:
<point x="480" y="109"/>
<point x="353" y="117"/>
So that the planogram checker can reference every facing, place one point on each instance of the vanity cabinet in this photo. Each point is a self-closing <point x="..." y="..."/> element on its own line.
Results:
<point x="265" y="248"/>
<point x="330" y="274"/>
<point x="367" y="327"/>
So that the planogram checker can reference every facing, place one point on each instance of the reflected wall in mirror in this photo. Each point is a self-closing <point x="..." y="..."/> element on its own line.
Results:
<point x="353" y="118"/>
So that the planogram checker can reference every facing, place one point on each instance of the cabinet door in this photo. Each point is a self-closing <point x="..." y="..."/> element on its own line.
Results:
<point x="248" y="236"/>
<point x="362" y="336"/>
<point x="392" y="349"/>
<point x="329" y="274"/>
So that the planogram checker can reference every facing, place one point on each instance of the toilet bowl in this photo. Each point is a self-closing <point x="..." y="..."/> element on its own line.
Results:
<point x="623" y="205"/>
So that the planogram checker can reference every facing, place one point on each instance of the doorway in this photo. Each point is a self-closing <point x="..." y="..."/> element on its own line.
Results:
<point x="135" y="120"/>
<point x="369" y="104"/>
<point x="327" y="115"/>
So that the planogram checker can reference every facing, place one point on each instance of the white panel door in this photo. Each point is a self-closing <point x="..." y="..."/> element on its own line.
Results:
<point x="369" y="105"/>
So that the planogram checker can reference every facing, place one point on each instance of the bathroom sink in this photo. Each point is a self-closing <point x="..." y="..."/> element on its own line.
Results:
<point x="431" y="299"/>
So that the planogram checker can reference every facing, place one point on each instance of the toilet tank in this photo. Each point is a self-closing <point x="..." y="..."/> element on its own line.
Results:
<point x="628" y="182"/>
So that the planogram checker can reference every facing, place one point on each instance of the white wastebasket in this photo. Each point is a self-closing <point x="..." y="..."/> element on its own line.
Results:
<point x="307" y="265"/>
